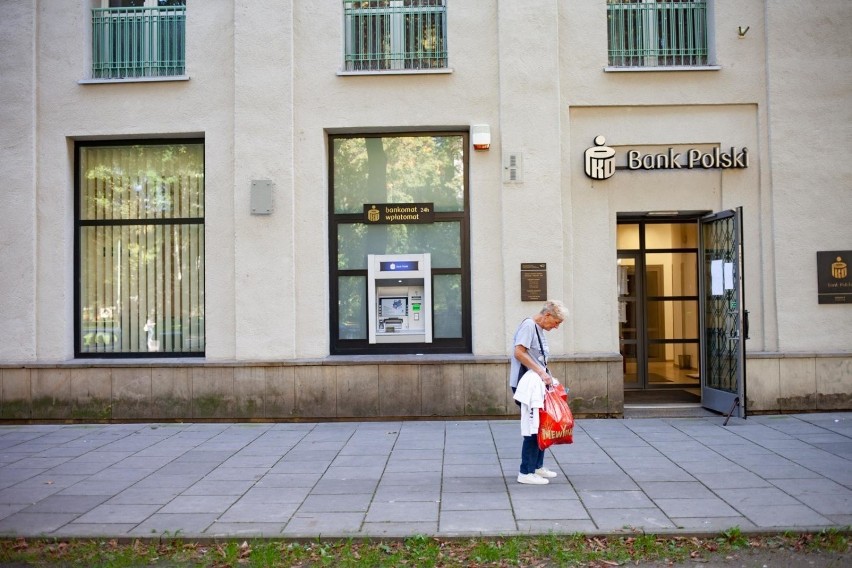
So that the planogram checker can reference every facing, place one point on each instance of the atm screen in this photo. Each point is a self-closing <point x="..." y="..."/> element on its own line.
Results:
<point x="393" y="307"/>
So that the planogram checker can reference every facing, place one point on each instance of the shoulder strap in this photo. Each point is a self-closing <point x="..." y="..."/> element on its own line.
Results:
<point x="540" y="345"/>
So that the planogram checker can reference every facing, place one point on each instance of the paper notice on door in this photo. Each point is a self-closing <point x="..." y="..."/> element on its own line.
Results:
<point x="716" y="277"/>
<point x="622" y="281"/>
<point x="729" y="276"/>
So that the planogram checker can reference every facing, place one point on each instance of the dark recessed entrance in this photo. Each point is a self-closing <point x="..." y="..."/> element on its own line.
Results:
<point x="658" y="301"/>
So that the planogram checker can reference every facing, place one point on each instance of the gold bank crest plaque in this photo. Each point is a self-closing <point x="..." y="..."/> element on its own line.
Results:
<point x="834" y="282"/>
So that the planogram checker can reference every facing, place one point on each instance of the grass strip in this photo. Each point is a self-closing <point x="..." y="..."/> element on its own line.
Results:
<point x="540" y="551"/>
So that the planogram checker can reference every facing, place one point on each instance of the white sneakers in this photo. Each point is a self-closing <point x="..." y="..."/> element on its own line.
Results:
<point x="531" y="479"/>
<point x="544" y="472"/>
<point x="540" y="477"/>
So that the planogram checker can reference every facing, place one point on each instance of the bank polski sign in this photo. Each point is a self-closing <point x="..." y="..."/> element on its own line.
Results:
<point x="599" y="160"/>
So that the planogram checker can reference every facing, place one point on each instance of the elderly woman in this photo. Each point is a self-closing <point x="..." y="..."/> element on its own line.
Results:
<point x="530" y="357"/>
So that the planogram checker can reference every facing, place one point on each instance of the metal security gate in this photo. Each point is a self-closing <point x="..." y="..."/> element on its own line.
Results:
<point x="723" y="320"/>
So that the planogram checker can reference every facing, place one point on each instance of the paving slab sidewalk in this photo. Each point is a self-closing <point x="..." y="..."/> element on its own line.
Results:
<point x="443" y="478"/>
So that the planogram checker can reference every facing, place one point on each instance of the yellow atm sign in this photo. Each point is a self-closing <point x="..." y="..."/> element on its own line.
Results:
<point x="394" y="213"/>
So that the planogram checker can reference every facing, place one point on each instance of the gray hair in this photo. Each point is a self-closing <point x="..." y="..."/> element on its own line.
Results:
<point x="555" y="308"/>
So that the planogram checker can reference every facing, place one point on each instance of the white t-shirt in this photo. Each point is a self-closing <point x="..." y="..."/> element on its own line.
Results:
<point x="530" y="393"/>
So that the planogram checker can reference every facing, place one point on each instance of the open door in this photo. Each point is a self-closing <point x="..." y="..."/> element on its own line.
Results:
<point x="723" y="318"/>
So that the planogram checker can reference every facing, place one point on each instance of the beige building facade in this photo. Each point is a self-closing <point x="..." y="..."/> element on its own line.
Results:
<point x="296" y="134"/>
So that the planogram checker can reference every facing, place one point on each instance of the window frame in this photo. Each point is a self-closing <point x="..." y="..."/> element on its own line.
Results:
<point x="650" y="19"/>
<point x="137" y="66"/>
<point x="393" y="60"/>
<point x="339" y="346"/>
<point x="79" y="223"/>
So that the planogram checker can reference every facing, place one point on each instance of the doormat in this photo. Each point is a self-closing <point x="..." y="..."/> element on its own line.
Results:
<point x="660" y="396"/>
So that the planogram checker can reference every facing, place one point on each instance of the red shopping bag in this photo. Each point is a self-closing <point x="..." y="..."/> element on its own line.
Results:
<point x="556" y="423"/>
<point x="560" y="390"/>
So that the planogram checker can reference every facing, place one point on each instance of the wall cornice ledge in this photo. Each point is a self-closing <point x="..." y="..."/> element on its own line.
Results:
<point x="797" y="354"/>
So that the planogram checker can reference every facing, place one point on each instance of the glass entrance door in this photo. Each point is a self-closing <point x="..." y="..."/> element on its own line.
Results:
<point x="658" y="306"/>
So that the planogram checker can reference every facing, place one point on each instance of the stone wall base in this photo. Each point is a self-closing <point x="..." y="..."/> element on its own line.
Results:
<point x="799" y="382"/>
<point x="362" y="388"/>
<point x="332" y="388"/>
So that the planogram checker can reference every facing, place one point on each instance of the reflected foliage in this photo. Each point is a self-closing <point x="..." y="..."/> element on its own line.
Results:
<point x="351" y="307"/>
<point x="447" y="306"/>
<point x="142" y="182"/>
<point x="356" y="240"/>
<point x="404" y="169"/>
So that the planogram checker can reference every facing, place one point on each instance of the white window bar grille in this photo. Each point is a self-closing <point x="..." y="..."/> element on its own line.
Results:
<point x="384" y="35"/>
<point x="657" y="33"/>
<point x="138" y="42"/>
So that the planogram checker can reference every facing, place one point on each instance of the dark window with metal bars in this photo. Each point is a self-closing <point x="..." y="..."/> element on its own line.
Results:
<point x="134" y="39"/>
<point x="389" y="35"/>
<point x="657" y="33"/>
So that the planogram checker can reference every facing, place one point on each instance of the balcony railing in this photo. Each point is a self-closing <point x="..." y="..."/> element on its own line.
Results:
<point x="138" y="42"/>
<point x="657" y="33"/>
<point x="387" y="35"/>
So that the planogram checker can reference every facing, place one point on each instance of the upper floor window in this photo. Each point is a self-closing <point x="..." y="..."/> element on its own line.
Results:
<point x="138" y="38"/>
<point x="657" y="33"/>
<point x="389" y="35"/>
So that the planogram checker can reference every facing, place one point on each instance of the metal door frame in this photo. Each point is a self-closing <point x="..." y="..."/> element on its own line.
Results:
<point x="729" y="312"/>
<point x="643" y="219"/>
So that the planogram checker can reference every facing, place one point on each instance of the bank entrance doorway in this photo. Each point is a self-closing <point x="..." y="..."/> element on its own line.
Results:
<point x="681" y="320"/>
<point x="658" y="307"/>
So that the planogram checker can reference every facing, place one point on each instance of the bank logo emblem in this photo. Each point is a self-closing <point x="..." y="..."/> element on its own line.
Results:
<point x="839" y="269"/>
<point x="600" y="160"/>
<point x="373" y="214"/>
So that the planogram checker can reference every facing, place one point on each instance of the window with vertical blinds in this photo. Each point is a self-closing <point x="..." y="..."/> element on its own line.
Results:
<point x="140" y="249"/>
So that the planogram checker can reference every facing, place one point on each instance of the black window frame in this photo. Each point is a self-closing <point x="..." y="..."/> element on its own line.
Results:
<point x="340" y="346"/>
<point x="80" y="223"/>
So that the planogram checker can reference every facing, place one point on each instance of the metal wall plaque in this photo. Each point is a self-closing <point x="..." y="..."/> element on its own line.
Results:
<point x="834" y="277"/>
<point x="395" y="213"/>
<point x="533" y="281"/>
<point x="261" y="197"/>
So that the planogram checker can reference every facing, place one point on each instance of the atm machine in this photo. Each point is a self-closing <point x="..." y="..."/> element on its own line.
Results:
<point x="399" y="296"/>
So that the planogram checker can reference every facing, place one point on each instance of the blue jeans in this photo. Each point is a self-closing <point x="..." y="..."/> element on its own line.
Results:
<point x="532" y="458"/>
